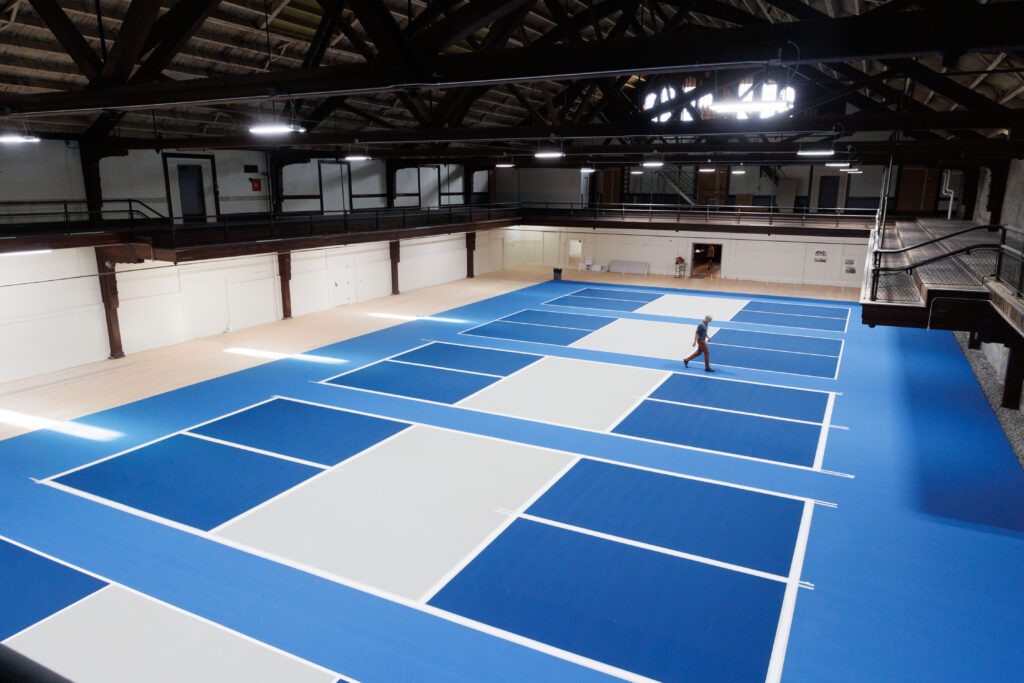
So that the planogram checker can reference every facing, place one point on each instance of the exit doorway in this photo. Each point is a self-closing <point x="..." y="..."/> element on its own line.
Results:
<point x="706" y="260"/>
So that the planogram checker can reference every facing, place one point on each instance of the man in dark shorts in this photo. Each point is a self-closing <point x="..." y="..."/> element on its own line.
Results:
<point x="700" y="340"/>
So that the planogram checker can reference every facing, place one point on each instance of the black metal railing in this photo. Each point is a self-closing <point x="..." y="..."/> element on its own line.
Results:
<point x="1009" y="262"/>
<point x="737" y="214"/>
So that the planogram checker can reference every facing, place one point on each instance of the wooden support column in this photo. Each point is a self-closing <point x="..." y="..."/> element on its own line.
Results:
<point x="390" y="181"/>
<point x="106" y="268"/>
<point x="467" y="185"/>
<point x="276" y="183"/>
<point x="974" y="341"/>
<point x="1014" y="377"/>
<point x="284" y="270"/>
<point x="970" y="196"/>
<point x="395" y="258"/>
<point x="470" y="248"/>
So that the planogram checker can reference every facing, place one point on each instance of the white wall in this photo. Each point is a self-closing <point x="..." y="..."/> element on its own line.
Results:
<point x="771" y="258"/>
<point x="51" y="314"/>
<point x="140" y="175"/>
<point x="327" y="278"/>
<point x="537" y="185"/>
<point x="47" y="170"/>
<point x="163" y="304"/>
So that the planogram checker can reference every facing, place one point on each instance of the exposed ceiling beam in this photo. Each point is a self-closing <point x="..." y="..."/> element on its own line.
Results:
<point x="69" y="37"/>
<point x="982" y="28"/>
<point x="131" y="37"/>
<point x="465" y="21"/>
<point x="886" y="121"/>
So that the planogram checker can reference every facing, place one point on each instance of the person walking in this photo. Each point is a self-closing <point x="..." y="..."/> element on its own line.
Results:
<point x="700" y="340"/>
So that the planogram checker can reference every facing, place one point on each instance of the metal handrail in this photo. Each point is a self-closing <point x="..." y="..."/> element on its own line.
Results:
<point x="1001" y="248"/>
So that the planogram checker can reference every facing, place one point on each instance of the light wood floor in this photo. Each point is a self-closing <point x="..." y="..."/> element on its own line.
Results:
<point x="74" y="392"/>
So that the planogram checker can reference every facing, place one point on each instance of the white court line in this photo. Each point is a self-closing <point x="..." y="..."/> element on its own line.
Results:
<point x="564" y="346"/>
<point x="614" y="298"/>
<point x="376" y="362"/>
<point x="640" y="399"/>
<point x="306" y="482"/>
<point x="587" y="429"/>
<point x="441" y="367"/>
<point x="842" y="348"/>
<point x="732" y="321"/>
<point x="510" y="517"/>
<point x="562" y="452"/>
<point x="789" y="599"/>
<point x="578" y="315"/>
<point x="260" y="451"/>
<point x="365" y="588"/>
<point x="761" y="348"/>
<point x="153" y="441"/>
<point x="799" y="303"/>
<point x="736" y="412"/>
<point x="819" y="453"/>
<point x="735" y="346"/>
<point x="177" y="609"/>
<point x="657" y="549"/>
<point x="58" y="612"/>
<point x="797" y="315"/>
<point x="712" y="378"/>
<point x="560" y="327"/>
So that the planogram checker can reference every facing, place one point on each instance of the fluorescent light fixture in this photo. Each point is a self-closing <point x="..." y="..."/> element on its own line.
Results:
<point x="653" y="164"/>
<point x="738" y="171"/>
<point x="33" y="422"/>
<point x="838" y="164"/>
<point x="17" y="138"/>
<point x="850" y="170"/>
<point x="26" y="253"/>
<point x="705" y="170"/>
<point x="855" y="172"/>
<point x="815" y="152"/>
<point x="549" y="155"/>
<point x="274" y="355"/>
<point x="357" y="157"/>
<point x="636" y="173"/>
<point x="504" y="166"/>
<point x="587" y="169"/>
<point x="399" y="316"/>
<point x="763" y="107"/>
<point x="276" y="129"/>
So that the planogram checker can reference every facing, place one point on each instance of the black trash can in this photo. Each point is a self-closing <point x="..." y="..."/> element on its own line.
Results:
<point x="558" y="273"/>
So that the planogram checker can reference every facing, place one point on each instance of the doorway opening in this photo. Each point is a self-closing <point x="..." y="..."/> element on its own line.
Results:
<point x="191" y="192"/>
<point x="706" y="260"/>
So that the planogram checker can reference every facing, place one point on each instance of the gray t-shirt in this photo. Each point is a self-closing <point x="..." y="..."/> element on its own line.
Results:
<point x="702" y="330"/>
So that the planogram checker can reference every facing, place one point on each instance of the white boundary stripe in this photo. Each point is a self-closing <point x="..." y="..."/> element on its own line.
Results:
<point x="376" y="362"/>
<point x="793" y="327"/>
<point x="717" y="343"/>
<point x="609" y="318"/>
<point x="656" y="548"/>
<point x="789" y="599"/>
<point x="839" y="361"/>
<point x="260" y="451"/>
<point x="581" y="295"/>
<point x="469" y="333"/>
<point x="798" y="315"/>
<point x="711" y="378"/>
<point x="619" y="435"/>
<point x="735" y="412"/>
<point x="511" y="517"/>
<point x="63" y="609"/>
<point x="392" y="597"/>
<point x="638" y="402"/>
<point x="153" y="441"/>
<point x="177" y="609"/>
<point x="306" y="482"/>
<point x="560" y="327"/>
<point x="439" y="367"/>
<point x="819" y="453"/>
<point x="596" y="307"/>
<point x="583" y="456"/>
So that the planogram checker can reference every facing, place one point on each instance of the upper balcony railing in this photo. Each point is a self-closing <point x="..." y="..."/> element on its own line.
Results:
<point x="732" y="214"/>
<point x="50" y="220"/>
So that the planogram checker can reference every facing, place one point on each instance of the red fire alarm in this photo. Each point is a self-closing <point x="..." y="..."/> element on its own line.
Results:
<point x="257" y="184"/>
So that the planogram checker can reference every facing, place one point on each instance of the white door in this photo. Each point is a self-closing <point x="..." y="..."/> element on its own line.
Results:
<point x="334" y="186"/>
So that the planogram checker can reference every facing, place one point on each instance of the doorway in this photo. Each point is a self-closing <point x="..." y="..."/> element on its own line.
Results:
<point x="335" y="187"/>
<point x="191" y="192"/>
<point x="828" y="193"/>
<point x="706" y="261"/>
<point x="918" y="190"/>
<point x="713" y="188"/>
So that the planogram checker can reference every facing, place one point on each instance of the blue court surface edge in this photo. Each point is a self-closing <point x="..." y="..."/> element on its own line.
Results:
<point x="912" y="554"/>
